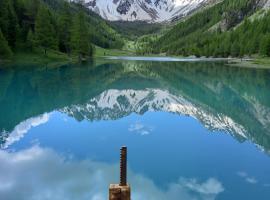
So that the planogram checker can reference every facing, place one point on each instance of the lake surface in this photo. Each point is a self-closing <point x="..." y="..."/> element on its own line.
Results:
<point x="194" y="130"/>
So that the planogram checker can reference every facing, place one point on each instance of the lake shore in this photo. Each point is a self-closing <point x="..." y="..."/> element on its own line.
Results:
<point x="263" y="63"/>
<point x="54" y="58"/>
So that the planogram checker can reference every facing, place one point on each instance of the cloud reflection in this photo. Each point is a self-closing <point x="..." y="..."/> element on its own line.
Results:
<point x="247" y="178"/>
<point x="21" y="129"/>
<point x="140" y="128"/>
<point x="42" y="174"/>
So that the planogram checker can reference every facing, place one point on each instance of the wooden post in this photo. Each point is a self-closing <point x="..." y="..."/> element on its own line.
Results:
<point x="121" y="191"/>
<point x="118" y="192"/>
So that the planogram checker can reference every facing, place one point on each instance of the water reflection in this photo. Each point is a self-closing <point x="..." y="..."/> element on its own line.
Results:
<point x="40" y="173"/>
<point x="22" y="128"/>
<point x="234" y="100"/>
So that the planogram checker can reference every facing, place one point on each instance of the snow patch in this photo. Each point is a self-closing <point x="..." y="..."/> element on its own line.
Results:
<point x="146" y="10"/>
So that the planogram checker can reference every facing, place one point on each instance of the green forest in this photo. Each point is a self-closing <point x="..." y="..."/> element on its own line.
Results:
<point x="226" y="29"/>
<point x="230" y="28"/>
<point x="36" y="25"/>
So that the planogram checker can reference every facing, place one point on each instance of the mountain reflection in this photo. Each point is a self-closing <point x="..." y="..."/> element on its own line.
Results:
<point x="234" y="100"/>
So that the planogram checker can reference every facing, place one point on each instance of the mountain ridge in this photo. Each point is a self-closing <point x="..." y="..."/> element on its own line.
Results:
<point x="145" y="10"/>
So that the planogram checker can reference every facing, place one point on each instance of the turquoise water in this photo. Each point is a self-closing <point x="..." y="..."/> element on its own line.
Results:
<point x="194" y="130"/>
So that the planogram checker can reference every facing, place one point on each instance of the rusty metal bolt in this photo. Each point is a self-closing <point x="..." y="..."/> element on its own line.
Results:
<point x="123" y="166"/>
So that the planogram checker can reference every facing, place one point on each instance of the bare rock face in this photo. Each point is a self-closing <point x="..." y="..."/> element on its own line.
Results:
<point x="134" y="14"/>
<point x="123" y="7"/>
<point x="230" y="19"/>
<point x="146" y="10"/>
<point x="91" y="3"/>
<point x="263" y="3"/>
<point x="234" y="17"/>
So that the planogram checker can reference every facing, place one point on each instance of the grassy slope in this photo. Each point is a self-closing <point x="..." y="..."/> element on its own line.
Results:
<point x="136" y="29"/>
<point x="56" y="57"/>
<point x="99" y="52"/>
<point x="53" y="58"/>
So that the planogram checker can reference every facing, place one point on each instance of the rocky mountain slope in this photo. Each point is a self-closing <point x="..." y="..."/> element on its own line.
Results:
<point x="229" y="28"/>
<point x="147" y="10"/>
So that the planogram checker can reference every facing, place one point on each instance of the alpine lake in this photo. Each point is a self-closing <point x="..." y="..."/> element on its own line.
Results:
<point x="195" y="130"/>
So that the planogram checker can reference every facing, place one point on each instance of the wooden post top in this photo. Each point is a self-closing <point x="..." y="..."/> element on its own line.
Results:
<point x="118" y="192"/>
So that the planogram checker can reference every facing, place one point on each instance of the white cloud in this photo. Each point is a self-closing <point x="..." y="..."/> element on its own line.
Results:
<point x="140" y="128"/>
<point x="211" y="186"/>
<point x="242" y="174"/>
<point x="42" y="174"/>
<point x="135" y="127"/>
<point x="251" y="180"/>
<point x="247" y="178"/>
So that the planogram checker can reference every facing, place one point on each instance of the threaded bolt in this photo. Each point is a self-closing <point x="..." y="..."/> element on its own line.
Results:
<point x="123" y="166"/>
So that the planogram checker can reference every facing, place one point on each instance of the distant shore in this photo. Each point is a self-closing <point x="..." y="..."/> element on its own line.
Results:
<point x="263" y="63"/>
<point x="55" y="57"/>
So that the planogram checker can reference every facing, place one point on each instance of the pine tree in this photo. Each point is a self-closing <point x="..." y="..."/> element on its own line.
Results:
<point x="30" y="40"/>
<point x="44" y="30"/>
<point x="8" y="22"/>
<point x="12" y="26"/>
<point x="80" y="37"/>
<point x="265" y="46"/>
<point x="5" y="51"/>
<point x="65" y="25"/>
<point x="4" y="18"/>
<point x="235" y="49"/>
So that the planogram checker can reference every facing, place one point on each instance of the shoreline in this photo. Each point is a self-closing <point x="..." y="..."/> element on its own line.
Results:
<point x="55" y="58"/>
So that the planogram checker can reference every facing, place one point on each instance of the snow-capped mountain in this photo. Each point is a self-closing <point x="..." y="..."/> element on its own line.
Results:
<point x="147" y="10"/>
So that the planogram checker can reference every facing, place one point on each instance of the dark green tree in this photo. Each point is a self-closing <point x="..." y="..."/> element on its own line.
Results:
<point x="235" y="49"/>
<point x="8" y="21"/>
<point x="265" y="46"/>
<point x="30" y="40"/>
<point x="64" y="28"/>
<point x="4" y="21"/>
<point x="80" y="37"/>
<point x="45" y="30"/>
<point x="5" y="51"/>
